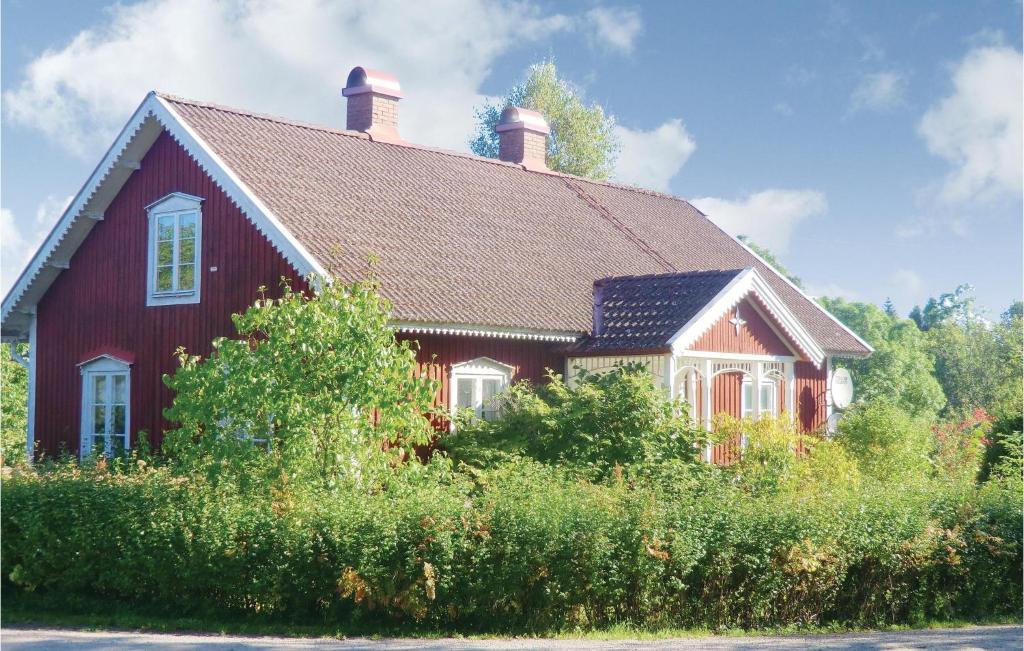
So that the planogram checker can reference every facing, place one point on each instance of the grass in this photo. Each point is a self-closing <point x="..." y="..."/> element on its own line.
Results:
<point x="29" y="610"/>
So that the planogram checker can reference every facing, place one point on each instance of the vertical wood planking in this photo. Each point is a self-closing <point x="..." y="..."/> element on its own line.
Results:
<point x="755" y="337"/>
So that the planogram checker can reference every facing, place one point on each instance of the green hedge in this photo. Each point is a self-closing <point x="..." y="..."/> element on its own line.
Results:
<point x="521" y="547"/>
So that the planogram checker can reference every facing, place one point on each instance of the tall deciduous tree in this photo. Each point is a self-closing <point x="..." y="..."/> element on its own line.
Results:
<point x="582" y="140"/>
<point x="901" y="370"/>
<point x="13" y="409"/>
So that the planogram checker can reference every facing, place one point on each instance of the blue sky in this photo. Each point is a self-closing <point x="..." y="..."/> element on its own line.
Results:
<point x="875" y="146"/>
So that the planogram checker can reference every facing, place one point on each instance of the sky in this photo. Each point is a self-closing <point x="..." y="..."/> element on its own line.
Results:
<point x="875" y="147"/>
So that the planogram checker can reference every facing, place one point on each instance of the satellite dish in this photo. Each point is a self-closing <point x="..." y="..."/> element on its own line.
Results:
<point x="841" y="388"/>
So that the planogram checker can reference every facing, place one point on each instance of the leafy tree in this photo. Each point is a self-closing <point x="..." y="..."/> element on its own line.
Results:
<point x="772" y="260"/>
<point x="311" y="393"/>
<point x="582" y="140"/>
<point x="901" y="370"/>
<point x="13" y="406"/>
<point x="958" y="306"/>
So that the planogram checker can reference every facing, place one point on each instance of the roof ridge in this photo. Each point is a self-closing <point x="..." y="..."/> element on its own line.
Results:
<point x="630" y="234"/>
<point x="411" y="145"/>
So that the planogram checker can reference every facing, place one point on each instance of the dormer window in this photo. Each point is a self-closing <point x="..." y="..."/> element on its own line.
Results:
<point x="175" y="235"/>
<point x="476" y="384"/>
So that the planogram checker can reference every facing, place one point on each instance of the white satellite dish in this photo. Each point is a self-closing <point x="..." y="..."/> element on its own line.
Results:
<point x="841" y="388"/>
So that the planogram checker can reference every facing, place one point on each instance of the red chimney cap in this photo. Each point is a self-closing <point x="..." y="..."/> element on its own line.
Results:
<point x="364" y="80"/>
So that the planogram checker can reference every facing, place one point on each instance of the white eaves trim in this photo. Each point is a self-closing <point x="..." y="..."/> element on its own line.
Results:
<point x="747" y="282"/>
<point x="484" y="331"/>
<point x="153" y="116"/>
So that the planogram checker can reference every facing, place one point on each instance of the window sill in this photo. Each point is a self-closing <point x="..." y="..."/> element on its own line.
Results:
<point x="189" y="297"/>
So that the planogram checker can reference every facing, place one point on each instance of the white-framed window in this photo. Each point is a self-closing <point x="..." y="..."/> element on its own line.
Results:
<point x="175" y="246"/>
<point x="106" y="406"/>
<point x="476" y="384"/>
<point x="767" y="396"/>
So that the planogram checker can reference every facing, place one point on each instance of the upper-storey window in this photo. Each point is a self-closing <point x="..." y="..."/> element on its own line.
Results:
<point x="175" y="233"/>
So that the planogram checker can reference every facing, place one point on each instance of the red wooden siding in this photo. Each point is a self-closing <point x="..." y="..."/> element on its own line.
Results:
<point x="810" y="396"/>
<point x="726" y="397"/>
<point x="100" y="302"/>
<point x="529" y="358"/>
<point x="755" y="337"/>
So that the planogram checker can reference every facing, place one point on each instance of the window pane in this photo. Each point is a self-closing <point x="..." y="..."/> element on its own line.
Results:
<point x="117" y="417"/>
<point x="164" y="253"/>
<point x="99" y="389"/>
<point x="186" y="251"/>
<point x="766" y="398"/>
<point x="489" y="389"/>
<point x="120" y="389"/>
<point x="164" y="279"/>
<point x="117" y="446"/>
<point x="188" y="225"/>
<point x="165" y="228"/>
<point x="748" y="399"/>
<point x="186" y="276"/>
<point x="99" y="445"/>
<point x="99" y="420"/>
<point x="464" y="393"/>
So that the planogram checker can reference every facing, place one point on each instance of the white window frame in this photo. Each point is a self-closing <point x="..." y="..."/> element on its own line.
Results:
<point x="174" y="204"/>
<point x="748" y="384"/>
<point x="108" y="367"/>
<point x="476" y="371"/>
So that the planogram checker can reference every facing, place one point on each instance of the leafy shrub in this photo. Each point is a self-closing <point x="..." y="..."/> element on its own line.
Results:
<point x="613" y="419"/>
<point x="312" y="390"/>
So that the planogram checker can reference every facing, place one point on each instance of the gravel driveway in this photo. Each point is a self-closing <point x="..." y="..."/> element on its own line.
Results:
<point x="983" y="637"/>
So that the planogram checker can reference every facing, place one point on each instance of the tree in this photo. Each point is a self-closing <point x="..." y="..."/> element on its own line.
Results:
<point x="901" y="370"/>
<point x="13" y="406"/>
<point x="313" y="392"/>
<point x="771" y="259"/>
<point x="957" y="306"/>
<point x="582" y="140"/>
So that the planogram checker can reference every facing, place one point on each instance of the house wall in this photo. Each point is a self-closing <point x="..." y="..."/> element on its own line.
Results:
<point x="809" y="397"/>
<point x="603" y="364"/>
<point x="531" y="359"/>
<point x="755" y="337"/>
<point x="100" y="302"/>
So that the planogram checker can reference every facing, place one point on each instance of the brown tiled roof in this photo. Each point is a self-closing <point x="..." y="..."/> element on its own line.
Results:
<point x="471" y="241"/>
<point x="643" y="312"/>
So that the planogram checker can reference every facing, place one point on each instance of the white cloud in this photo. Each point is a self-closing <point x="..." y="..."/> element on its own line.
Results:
<point x="615" y="27"/>
<point x="907" y="281"/>
<point x="978" y="128"/>
<point x="650" y="159"/>
<point x="285" y="57"/>
<point x="833" y="290"/>
<point x="783" y="108"/>
<point x="879" y="91"/>
<point x="768" y="217"/>
<point x="19" y="238"/>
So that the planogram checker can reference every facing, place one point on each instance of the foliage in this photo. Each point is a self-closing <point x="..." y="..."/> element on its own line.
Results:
<point x="582" y="139"/>
<point x="901" y="370"/>
<point x="978" y="364"/>
<point x="771" y="259"/>
<point x="524" y="546"/>
<point x="955" y="307"/>
<point x="13" y="406"/>
<point x="610" y="420"/>
<point x="887" y="443"/>
<point x="316" y="390"/>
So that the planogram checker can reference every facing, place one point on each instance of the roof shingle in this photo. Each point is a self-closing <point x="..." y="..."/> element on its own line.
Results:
<point x="472" y="241"/>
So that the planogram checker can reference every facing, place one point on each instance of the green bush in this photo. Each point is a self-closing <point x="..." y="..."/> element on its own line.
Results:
<point x="522" y="546"/>
<point x="616" y="419"/>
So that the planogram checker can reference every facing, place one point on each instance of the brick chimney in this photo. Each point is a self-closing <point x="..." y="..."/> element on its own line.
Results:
<point x="373" y="104"/>
<point x="523" y="138"/>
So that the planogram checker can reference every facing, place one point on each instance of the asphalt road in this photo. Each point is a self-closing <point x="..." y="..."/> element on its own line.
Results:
<point x="983" y="637"/>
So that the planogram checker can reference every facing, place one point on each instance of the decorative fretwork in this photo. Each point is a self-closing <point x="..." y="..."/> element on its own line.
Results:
<point x="775" y="370"/>
<point x="732" y="367"/>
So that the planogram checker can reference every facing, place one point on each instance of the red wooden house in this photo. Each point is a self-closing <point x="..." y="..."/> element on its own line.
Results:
<point x="499" y="268"/>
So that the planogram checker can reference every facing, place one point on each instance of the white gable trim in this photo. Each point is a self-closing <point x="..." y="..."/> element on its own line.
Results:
<point x="111" y="359"/>
<point x="153" y="116"/>
<point x="745" y="283"/>
<point x="482" y="366"/>
<point x="804" y="294"/>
